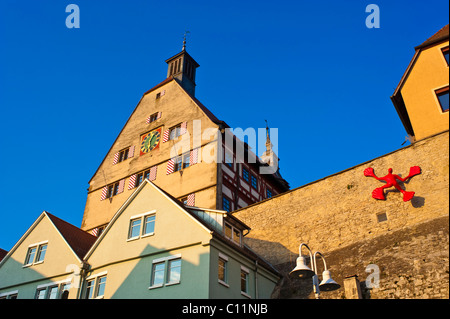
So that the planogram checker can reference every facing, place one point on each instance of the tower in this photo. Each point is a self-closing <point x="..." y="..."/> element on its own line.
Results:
<point x="177" y="143"/>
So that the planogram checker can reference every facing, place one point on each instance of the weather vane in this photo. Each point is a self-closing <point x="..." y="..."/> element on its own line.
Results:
<point x="184" y="40"/>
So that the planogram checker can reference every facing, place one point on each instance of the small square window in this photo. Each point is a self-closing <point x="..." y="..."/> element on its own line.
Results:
<point x="443" y="97"/>
<point x="41" y="253"/>
<point x="101" y="286"/>
<point x="174" y="271"/>
<point x="381" y="217"/>
<point x="135" y="228"/>
<point x="254" y="182"/>
<point x="445" y="53"/>
<point x="268" y="193"/>
<point x="158" y="274"/>
<point x="149" y="224"/>
<point x="244" y="281"/>
<point x="222" y="270"/>
<point x="245" y="175"/>
<point x="30" y="255"/>
<point x="226" y="204"/>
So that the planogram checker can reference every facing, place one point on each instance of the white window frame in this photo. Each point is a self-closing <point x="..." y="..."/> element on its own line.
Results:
<point x="165" y="261"/>
<point x="233" y="229"/>
<point x="142" y="217"/>
<point x="95" y="278"/>
<point x="46" y="288"/>
<point x="8" y="294"/>
<point x="225" y="271"/>
<point x="247" y="278"/>
<point x="37" y="246"/>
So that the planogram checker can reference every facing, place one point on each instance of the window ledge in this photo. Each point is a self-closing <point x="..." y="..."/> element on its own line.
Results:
<point x="246" y="295"/>
<point x="156" y="286"/>
<point x="224" y="283"/>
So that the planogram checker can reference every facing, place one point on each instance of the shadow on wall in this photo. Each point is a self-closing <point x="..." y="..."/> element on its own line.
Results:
<point x="288" y="287"/>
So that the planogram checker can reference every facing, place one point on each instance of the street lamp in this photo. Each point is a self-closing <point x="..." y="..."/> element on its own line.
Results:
<point x="303" y="271"/>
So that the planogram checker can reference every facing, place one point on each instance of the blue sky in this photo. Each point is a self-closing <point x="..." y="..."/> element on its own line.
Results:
<point x="311" y="68"/>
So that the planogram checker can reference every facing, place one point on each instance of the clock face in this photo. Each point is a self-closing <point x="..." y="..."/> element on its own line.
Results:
<point x="150" y="141"/>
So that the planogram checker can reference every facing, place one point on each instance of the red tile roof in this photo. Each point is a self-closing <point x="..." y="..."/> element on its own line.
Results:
<point x="2" y="253"/>
<point x="441" y="35"/>
<point x="79" y="240"/>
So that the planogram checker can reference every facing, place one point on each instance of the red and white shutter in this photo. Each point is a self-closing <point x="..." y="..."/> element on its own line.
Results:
<point x="131" y="151"/>
<point x="191" y="200"/>
<point x="132" y="182"/>
<point x="183" y="128"/>
<point x="121" y="186"/>
<point x="116" y="158"/>
<point x="104" y="192"/>
<point x="166" y="135"/>
<point x="170" y="166"/>
<point x="152" y="176"/>
<point x="94" y="232"/>
<point x="193" y="158"/>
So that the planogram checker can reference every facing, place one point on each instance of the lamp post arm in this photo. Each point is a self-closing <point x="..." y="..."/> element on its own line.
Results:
<point x="310" y="253"/>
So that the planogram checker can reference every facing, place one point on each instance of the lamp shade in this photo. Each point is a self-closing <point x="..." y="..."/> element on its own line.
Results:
<point x="302" y="270"/>
<point x="328" y="284"/>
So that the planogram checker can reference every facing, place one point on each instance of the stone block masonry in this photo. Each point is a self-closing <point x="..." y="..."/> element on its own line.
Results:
<point x="337" y="216"/>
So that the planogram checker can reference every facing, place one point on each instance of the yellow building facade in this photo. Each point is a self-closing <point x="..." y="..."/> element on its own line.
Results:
<point x="421" y="98"/>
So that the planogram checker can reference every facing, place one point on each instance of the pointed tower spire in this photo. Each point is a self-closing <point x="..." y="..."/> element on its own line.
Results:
<point x="183" y="68"/>
<point x="184" y="40"/>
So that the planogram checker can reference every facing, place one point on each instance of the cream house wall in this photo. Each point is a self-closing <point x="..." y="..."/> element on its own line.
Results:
<point x="58" y="264"/>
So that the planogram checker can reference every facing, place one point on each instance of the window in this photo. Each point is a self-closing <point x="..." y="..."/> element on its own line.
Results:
<point x="41" y="253"/>
<point x="90" y="289"/>
<point x="135" y="228"/>
<point x="381" y="217"/>
<point x="53" y="292"/>
<point x="254" y="182"/>
<point x="222" y="270"/>
<point x="175" y="132"/>
<point x="95" y="286"/>
<point x="232" y="233"/>
<point x="442" y="96"/>
<point x="228" y="159"/>
<point x="244" y="280"/>
<point x="268" y="193"/>
<point x="166" y="271"/>
<point x="445" y="53"/>
<point x="142" y="225"/>
<point x="9" y="295"/>
<point x="101" y="286"/>
<point x="158" y="274"/>
<point x="40" y="293"/>
<point x="186" y="158"/>
<point x="30" y="255"/>
<point x="226" y="204"/>
<point x="184" y="200"/>
<point x="113" y="190"/>
<point x="245" y="175"/>
<point x="149" y="224"/>
<point x="123" y="155"/>
<point x="178" y="163"/>
<point x="35" y="254"/>
<point x="174" y="271"/>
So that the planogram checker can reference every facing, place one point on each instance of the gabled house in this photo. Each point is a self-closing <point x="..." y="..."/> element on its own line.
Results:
<point x="156" y="247"/>
<point x="46" y="261"/>
<point x="422" y="95"/>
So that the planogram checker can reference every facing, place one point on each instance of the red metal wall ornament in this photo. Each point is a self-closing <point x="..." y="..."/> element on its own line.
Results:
<point x="391" y="180"/>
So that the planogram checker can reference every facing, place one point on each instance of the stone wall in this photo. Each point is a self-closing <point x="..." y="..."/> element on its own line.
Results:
<point x="337" y="216"/>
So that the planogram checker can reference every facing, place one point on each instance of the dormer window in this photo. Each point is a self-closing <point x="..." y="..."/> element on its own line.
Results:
<point x="233" y="233"/>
